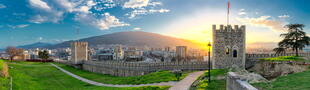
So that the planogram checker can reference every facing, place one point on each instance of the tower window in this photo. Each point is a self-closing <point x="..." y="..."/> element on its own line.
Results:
<point x="235" y="53"/>
<point x="227" y="50"/>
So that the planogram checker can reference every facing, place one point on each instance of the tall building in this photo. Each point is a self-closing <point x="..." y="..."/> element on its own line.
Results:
<point x="228" y="48"/>
<point x="181" y="51"/>
<point x="118" y="53"/>
<point x="79" y="52"/>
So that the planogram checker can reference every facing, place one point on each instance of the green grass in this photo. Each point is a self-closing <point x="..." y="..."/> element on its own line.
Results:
<point x="284" y="58"/>
<point x="161" y="76"/>
<point x="42" y="76"/>
<point x="216" y="84"/>
<point x="4" y="83"/>
<point x="1" y="64"/>
<point x="297" y="81"/>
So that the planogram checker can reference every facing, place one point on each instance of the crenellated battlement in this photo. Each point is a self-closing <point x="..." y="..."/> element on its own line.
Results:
<point x="228" y="28"/>
<point x="79" y="44"/>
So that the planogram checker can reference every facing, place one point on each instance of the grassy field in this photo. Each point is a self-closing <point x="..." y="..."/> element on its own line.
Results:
<point x="161" y="76"/>
<point x="297" y="81"/>
<point x="285" y="58"/>
<point x="42" y="76"/>
<point x="217" y="83"/>
<point x="1" y="64"/>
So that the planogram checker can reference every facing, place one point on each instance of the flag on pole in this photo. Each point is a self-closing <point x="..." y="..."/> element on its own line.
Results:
<point x="228" y="6"/>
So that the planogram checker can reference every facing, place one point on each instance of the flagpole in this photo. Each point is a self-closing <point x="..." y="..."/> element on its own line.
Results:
<point x="228" y="7"/>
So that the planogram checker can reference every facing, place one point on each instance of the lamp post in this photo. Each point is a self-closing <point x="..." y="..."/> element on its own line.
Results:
<point x="209" y="62"/>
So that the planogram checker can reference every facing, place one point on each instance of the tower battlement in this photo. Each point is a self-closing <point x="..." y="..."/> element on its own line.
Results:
<point x="79" y="44"/>
<point x="228" y="28"/>
<point x="79" y="52"/>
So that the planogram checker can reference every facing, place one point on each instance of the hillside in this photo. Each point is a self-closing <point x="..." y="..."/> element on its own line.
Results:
<point x="133" y="38"/>
<point x="35" y="45"/>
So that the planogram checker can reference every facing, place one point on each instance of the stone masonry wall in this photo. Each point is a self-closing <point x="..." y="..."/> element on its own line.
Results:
<point x="134" y="69"/>
<point x="251" y="59"/>
<point x="235" y="83"/>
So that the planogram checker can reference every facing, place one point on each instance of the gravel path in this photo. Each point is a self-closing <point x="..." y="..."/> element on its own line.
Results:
<point x="187" y="81"/>
<point x="112" y="85"/>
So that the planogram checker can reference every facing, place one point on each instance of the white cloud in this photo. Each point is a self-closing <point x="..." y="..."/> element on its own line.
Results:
<point x="284" y="16"/>
<point x="38" y="19"/>
<point x="265" y="21"/>
<point x="137" y="29"/>
<point x="109" y="21"/>
<point x="136" y="3"/>
<point x="18" y="26"/>
<point x="159" y="10"/>
<point x="104" y="23"/>
<point x="40" y="38"/>
<point x="2" y="6"/>
<point x="39" y="4"/>
<point x="155" y="3"/>
<point x="242" y="12"/>
<point x="143" y="11"/>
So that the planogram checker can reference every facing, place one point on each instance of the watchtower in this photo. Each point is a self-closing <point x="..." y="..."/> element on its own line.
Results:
<point x="79" y="52"/>
<point x="228" y="48"/>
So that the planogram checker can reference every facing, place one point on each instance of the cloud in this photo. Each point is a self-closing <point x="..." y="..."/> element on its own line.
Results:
<point x="136" y="3"/>
<point x="91" y="12"/>
<point x="38" y="19"/>
<point x="109" y="21"/>
<point x="137" y="29"/>
<point x="103" y="23"/>
<point x="155" y="3"/>
<point x="265" y="21"/>
<point x="2" y="6"/>
<point x="39" y="4"/>
<point x="143" y="11"/>
<point x="159" y="10"/>
<point x="40" y="38"/>
<point x="18" y="26"/>
<point x="284" y="16"/>
<point x="242" y="12"/>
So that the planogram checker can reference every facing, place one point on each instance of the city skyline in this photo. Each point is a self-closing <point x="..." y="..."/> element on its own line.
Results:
<point x="54" y="21"/>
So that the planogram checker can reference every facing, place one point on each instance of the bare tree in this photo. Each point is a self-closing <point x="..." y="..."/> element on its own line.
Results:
<point x="13" y="52"/>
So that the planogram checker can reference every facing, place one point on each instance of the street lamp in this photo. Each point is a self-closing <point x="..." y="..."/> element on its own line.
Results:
<point x="209" y="62"/>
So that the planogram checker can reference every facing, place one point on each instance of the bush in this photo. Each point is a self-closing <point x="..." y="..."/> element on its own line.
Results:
<point x="4" y="70"/>
<point x="284" y="58"/>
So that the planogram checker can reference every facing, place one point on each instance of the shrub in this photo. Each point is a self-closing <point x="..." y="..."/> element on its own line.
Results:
<point x="4" y="70"/>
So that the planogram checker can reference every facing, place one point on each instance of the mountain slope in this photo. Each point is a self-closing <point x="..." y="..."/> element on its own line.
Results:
<point x="35" y="45"/>
<point x="133" y="38"/>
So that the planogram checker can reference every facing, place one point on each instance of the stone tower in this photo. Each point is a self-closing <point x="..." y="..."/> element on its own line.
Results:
<point x="79" y="52"/>
<point x="228" y="48"/>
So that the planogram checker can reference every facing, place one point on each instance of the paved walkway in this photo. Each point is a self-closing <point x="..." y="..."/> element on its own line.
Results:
<point x="182" y="85"/>
<point x="187" y="81"/>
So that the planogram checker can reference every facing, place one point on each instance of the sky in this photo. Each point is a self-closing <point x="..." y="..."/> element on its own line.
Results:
<point x="54" y="21"/>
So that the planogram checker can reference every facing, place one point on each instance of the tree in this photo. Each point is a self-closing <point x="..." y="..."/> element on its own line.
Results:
<point x="13" y="52"/>
<point x="43" y="54"/>
<point x="295" y="39"/>
<point x="279" y="50"/>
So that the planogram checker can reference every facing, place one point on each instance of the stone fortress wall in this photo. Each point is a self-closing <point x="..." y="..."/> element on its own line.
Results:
<point x="117" y="68"/>
<point x="251" y="59"/>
